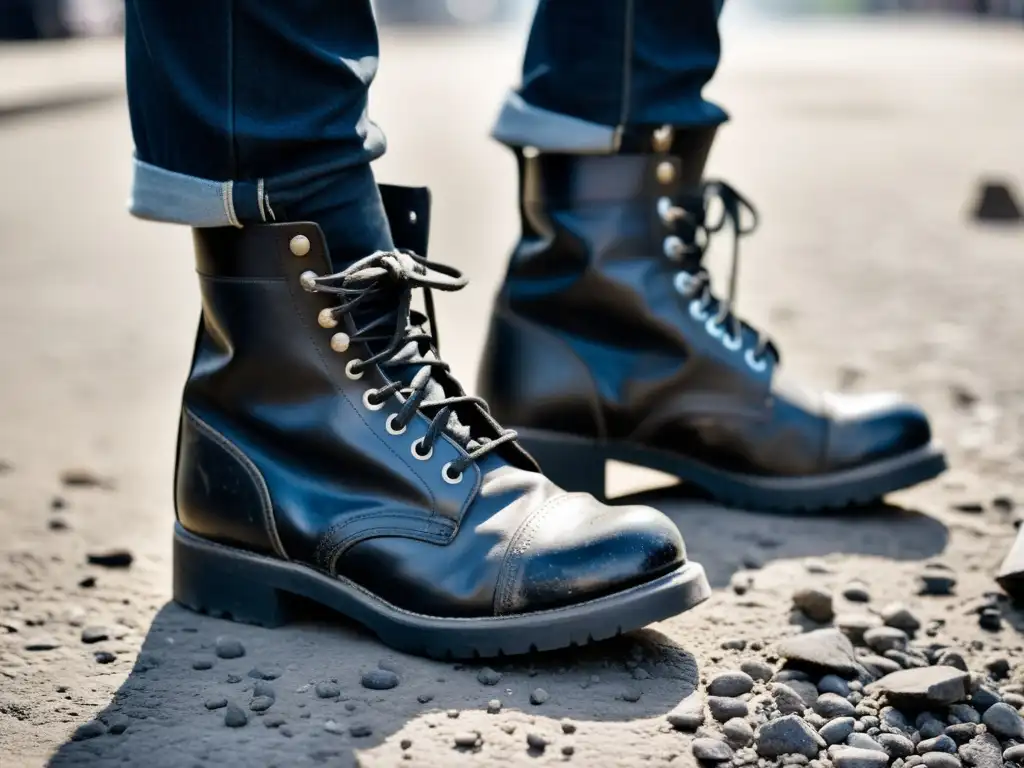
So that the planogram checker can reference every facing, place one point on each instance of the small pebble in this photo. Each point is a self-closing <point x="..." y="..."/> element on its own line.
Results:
<point x="991" y="620"/>
<point x="929" y="726"/>
<point x="723" y="708"/>
<point x="42" y="643"/>
<point x="864" y="741"/>
<point x="538" y="696"/>
<point x="961" y="733"/>
<point x="119" y="727"/>
<point x="730" y="684"/>
<point x="831" y="705"/>
<point x="982" y="698"/>
<point x="814" y="603"/>
<point x="263" y="688"/>
<point x="274" y="721"/>
<point x="711" y="750"/>
<point x="629" y="694"/>
<point x="936" y="580"/>
<point x="941" y="743"/>
<point x="217" y="702"/>
<point x="89" y="730"/>
<point x="757" y="669"/>
<point x="963" y="713"/>
<point x="536" y="741"/>
<point x="261" y="704"/>
<point x="328" y="690"/>
<point x="202" y="664"/>
<point x="941" y="760"/>
<point x="467" y="739"/>
<point x="116" y="558"/>
<point x="88" y="582"/>
<point x="898" y="616"/>
<point x="494" y="706"/>
<point x="568" y="726"/>
<point x="856" y="593"/>
<point x="882" y="639"/>
<point x="853" y="757"/>
<point x="332" y="727"/>
<point x="896" y="745"/>
<point x="94" y="635"/>
<point x="568" y="750"/>
<point x="425" y="698"/>
<point x="267" y="672"/>
<point x="508" y="728"/>
<point x="379" y="680"/>
<point x="1004" y="721"/>
<point x="738" y="732"/>
<point x="1014" y="754"/>
<point x="787" y="701"/>
<point x="733" y="644"/>
<point x="453" y="714"/>
<point x="233" y="678"/>
<point x="834" y="684"/>
<point x="229" y="648"/>
<point x="104" y="657"/>
<point x="952" y="658"/>
<point x="57" y="524"/>
<point x="838" y="730"/>
<point x="488" y="676"/>
<point x="235" y="717"/>
<point x="360" y="731"/>
<point x="405" y="743"/>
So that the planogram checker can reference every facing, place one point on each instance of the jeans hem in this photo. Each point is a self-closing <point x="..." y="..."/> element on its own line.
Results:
<point x="520" y="124"/>
<point x="158" y="194"/>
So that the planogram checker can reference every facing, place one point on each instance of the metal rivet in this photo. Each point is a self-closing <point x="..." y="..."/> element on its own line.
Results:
<point x="673" y="247"/>
<point x="326" y="318"/>
<point x="299" y="245"/>
<point x="413" y="218"/>
<point x="662" y="138"/>
<point x="666" y="172"/>
<point x="308" y="280"/>
<point x="339" y="342"/>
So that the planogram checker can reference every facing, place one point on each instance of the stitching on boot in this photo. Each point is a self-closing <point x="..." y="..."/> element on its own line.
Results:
<point x="254" y="475"/>
<point x="332" y="546"/>
<point x="520" y="545"/>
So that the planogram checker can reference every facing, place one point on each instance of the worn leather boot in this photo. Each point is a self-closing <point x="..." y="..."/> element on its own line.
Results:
<point x="607" y="342"/>
<point x="325" y="452"/>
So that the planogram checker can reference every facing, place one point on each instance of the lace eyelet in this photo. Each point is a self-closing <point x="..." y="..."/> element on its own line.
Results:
<point x="392" y="430"/>
<point x="715" y="329"/>
<point x="732" y="343"/>
<point x="326" y="318"/>
<point x="370" y="405"/>
<point x="755" y="364"/>
<point x="308" y="280"/>
<point x="349" y="369"/>
<point x="673" y="247"/>
<point x="682" y="282"/>
<point x="415" y="449"/>
<point x="447" y="477"/>
<point x="340" y="342"/>
<point x="697" y="311"/>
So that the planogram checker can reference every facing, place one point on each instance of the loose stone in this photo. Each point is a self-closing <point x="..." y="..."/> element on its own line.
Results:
<point x="899" y="616"/>
<point x="930" y="685"/>
<point x="217" y="702"/>
<point x="815" y="604"/>
<point x="834" y="684"/>
<point x="712" y="750"/>
<point x="1004" y="721"/>
<point x="360" y="731"/>
<point x="788" y="701"/>
<point x="941" y="760"/>
<point x="827" y="650"/>
<point x="853" y="757"/>
<point x="494" y="706"/>
<point x="856" y="593"/>
<point x="738" y="732"/>
<point x="896" y="745"/>
<point x="94" y="635"/>
<point x="941" y="743"/>
<point x="261" y="704"/>
<point x="963" y="713"/>
<point x="787" y="735"/>
<point x="328" y="690"/>
<point x="202" y="664"/>
<point x="488" y="676"/>
<point x="882" y="639"/>
<point x="235" y="717"/>
<point x="229" y="648"/>
<point x="536" y="741"/>
<point x="831" y="705"/>
<point x="731" y="684"/>
<point x="723" y="708"/>
<point x="379" y="680"/>
<point x="263" y="688"/>
<point x="757" y="669"/>
<point x="961" y="733"/>
<point x="467" y="739"/>
<point x="538" y="696"/>
<point x="838" y="730"/>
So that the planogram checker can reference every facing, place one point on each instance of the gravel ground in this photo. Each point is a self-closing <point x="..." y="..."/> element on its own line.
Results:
<point x="869" y="639"/>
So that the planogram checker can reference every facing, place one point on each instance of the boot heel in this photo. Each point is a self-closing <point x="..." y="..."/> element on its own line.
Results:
<point x="574" y="464"/>
<point x="216" y="584"/>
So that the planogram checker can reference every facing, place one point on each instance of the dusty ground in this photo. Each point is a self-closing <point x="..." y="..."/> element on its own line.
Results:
<point x="862" y="145"/>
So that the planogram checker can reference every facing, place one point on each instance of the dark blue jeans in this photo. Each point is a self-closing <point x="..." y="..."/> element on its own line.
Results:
<point x="255" y="110"/>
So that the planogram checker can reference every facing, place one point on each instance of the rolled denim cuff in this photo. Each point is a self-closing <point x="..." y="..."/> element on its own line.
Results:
<point x="521" y="124"/>
<point x="178" y="198"/>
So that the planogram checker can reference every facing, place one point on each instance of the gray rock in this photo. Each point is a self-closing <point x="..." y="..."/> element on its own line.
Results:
<point x="757" y="669"/>
<point x="216" y="702"/>
<point x="854" y="625"/>
<point x="936" y="579"/>
<point x="261" y="704"/>
<point x="836" y="731"/>
<point x="791" y="675"/>
<point x="921" y="687"/>
<point x="814" y="603"/>
<point x="712" y="751"/>
<point x="263" y="688"/>
<point x="94" y="635"/>
<point x="235" y="716"/>
<point x="89" y="730"/>
<point x="952" y="658"/>
<point x="42" y="643"/>
<point x="202" y="663"/>
<point x="379" y="680"/>
<point x="1015" y="700"/>
<point x="895" y="745"/>
<point x="983" y="751"/>
<point x="807" y="691"/>
<point x="892" y="720"/>
<point x="730" y="684"/>
<point x="854" y="757"/>
<point x="882" y="639"/>
<point x="929" y="725"/>
<point x="982" y="698"/>
<point x="229" y="648"/>
<point x="494" y="706"/>
<point x="787" y="735"/>
<point x="488" y="676"/>
<point x="998" y="667"/>
<point x="856" y="593"/>
<point x="274" y="721"/>
<point x="738" y="732"/>
<point x="963" y="713"/>
<point x="941" y="760"/>
<point x="1014" y="754"/>
<point x="863" y="741"/>
<point x="631" y="694"/>
<point x="538" y="696"/>
<point x="265" y="672"/>
<point x="913" y="760"/>
<point x="899" y="616"/>
<point x="424" y="698"/>
<point x="961" y="733"/>
<point x="869" y="721"/>
<point x="724" y="708"/>
<point x="328" y="690"/>
<point x="941" y="743"/>
<point x="733" y="644"/>
<point x="879" y="665"/>
<point x="536" y="741"/>
<point x="813" y="719"/>
<point x="834" y="684"/>
<point x="104" y="657"/>
<point x="467" y="739"/>
<point x="689" y="714"/>
<point x="360" y="731"/>
<point x="906" y="660"/>
<point x="568" y="726"/>
<point x="990" y="619"/>
<point x="1003" y="721"/>
<point x="832" y="705"/>
<point x="824" y="649"/>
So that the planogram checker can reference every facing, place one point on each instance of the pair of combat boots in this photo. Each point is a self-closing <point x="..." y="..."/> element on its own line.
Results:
<point x="326" y="452"/>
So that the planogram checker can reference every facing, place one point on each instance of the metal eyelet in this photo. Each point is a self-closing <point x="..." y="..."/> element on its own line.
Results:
<point x="370" y="405"/>
<point x="755" y="364"/>
<point x="308" y="280"/>
<point x="732" y="343"/>
<point x="350" y="365"/>
<point x="697" y="311"/>
<point x="682" y="282"/>
<point x="299" y="245"/>
<point x="448" y="478"/>
<point x="715" y="329"/>
<point x="673" y="247"/>
<point x="415" y="449"/>
<point x="390" y="426"/>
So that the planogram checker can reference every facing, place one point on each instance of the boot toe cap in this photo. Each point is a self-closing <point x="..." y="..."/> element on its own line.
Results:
<point x="869" y="428"/>
<point x="574" y="549"/>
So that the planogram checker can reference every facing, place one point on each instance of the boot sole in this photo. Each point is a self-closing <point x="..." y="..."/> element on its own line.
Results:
<point x="578" y="464"/>
<point x="242" y="586"/>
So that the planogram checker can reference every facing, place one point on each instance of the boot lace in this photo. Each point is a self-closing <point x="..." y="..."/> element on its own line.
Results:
<point x="376" y="292"/>
<point x="693" y="282"/>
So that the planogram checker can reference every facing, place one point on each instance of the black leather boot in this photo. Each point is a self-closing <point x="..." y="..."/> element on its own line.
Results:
<point x="606" y="342"/>
<point x="325" y="452"/>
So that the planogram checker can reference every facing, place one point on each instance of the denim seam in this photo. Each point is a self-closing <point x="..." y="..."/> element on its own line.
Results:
<point x="259" y="199"/>
<point x="627" y="71"/>
<point x="228" y="195"/>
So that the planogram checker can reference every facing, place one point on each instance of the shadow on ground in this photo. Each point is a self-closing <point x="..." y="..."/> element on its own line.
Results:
<point x="163" y="701"/>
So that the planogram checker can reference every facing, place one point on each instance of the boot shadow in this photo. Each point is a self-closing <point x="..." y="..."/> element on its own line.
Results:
<point x="162" y="703"/>
<point x="726" y="540"/>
